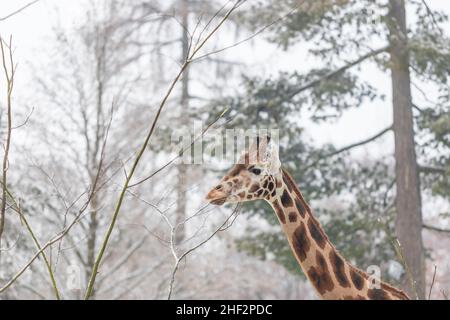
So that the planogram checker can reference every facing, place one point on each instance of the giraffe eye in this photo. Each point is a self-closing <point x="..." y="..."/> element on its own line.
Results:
<point x="255" y="171"/>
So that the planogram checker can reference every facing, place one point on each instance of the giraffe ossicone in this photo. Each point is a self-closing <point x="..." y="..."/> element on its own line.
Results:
<point x="258" y="175"/>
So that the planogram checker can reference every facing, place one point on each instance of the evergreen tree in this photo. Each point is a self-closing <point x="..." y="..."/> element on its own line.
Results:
<point x="376" y="198"/>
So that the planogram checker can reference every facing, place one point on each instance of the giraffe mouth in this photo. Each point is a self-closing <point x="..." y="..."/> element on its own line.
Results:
<point x="219" y="202"/>
<point x="216" y="197"/>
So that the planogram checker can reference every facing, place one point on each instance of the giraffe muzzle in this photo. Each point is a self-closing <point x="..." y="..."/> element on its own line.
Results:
<point x="217" y="196"/>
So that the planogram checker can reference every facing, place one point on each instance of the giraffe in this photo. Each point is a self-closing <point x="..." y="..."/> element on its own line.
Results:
<point x="259" y="175"/>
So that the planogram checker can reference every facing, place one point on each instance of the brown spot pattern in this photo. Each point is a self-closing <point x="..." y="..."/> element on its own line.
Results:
<point x="320" y="275"/>
<point x="300" y="207"/>
<point x="292" y="217"/>
<point x="286" y="199"/>
<point x="378" y="294"/>
<point x="316" y="233"/>
<point x="287" y="182"/>
<point x="357" y="297"/>
<point x="279" y="211"/>
<point x="338" y="265"/>
<point x="279" y="184"/>
<point x="357" y="279"/>
<point x="399" y="294"/>
<point x="300" y="242"/>
<point x="254" y="187"/>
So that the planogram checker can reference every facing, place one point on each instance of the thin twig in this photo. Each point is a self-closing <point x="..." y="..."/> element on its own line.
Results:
<point x="210" y="20"/>
<point x="93" y="189"/>
<point x="10" y="86"/>
<point x="432" y="17"/>
<point x="433" y="228"/>
<point x="18" y="209"/>
<point x="18" y="10"/>
<point x="181" y="152"/>
<point x="338" y="71"/>
<point x="399" y="251"/>
<point x="141" y="152"/>
<point x="254" y="35"/>
<point x="25" y="122"/>
<point x="126" y="257"/>
<point x="224" y="226"/>
<point x="351" y="146"/>
<point x="432" y="283"/>
<point x="444" y="294"/>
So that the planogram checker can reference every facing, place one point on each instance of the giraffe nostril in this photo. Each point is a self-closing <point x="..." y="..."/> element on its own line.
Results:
<point x="219" y="187"/>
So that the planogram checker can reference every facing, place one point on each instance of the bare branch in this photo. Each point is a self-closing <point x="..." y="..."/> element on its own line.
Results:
<point x="437" y="229"/>
<point x="429" y="169"/>
<point x="125" y="258"/>
<point x="95" y="187"/>
<point x="254" y="35"/>
<point x="224" y="226"/>
<point x="430" y="13"/>
<point x="181" y="152"/>
<point x="351" y="146"/>
<point x="399" y="250"/>
<point x="19" y="10"/>
<point x="140" y="273"/>
<point x="25" y="122"/>
<point x="142" y="150"/>
<point x="338" y="71"/>
<point x="18" y="209"/>
<point x="9" y="74"/>
<point x="432" y="283"/>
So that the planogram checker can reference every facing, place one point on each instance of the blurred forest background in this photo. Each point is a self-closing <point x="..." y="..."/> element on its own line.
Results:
<point x="360" y="95"/>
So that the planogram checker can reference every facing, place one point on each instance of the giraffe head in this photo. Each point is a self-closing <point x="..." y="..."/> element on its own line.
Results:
<point x="253" y="177"/>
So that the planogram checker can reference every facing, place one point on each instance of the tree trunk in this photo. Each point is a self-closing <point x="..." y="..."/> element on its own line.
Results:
<point x="93" y="153"/>
<point x="184" y="105"/>
<point x="92" y="237"/>
<point x="408" y="202"/>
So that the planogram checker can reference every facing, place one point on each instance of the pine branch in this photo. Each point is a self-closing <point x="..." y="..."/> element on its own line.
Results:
<point x="437" y="229"/>
<point x="429" y="169"/>
<point x="338" y="71"/>
<point x="351" y="146"/>
<point x="431" y="14"/>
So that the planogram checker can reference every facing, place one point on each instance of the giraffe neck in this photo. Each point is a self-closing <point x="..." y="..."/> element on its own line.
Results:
<point x="329" y="273"/>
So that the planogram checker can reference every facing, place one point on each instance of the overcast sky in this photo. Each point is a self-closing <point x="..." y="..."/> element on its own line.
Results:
<point x="32" y="27"/>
